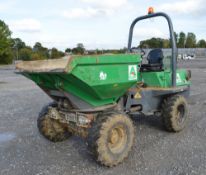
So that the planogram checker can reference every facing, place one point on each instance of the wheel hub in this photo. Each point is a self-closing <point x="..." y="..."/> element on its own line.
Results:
<point x="114" y="136"/>
<point x="180" y="113"/>
<point x="117" y="139"/>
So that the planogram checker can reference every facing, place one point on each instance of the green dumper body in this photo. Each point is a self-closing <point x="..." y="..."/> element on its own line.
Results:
<point x="94" y="81"/>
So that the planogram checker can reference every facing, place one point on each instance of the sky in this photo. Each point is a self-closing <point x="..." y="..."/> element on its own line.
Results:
<point x="102" y="24"/>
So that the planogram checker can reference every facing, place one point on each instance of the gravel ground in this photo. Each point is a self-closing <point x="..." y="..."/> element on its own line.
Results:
<point x="24" y="151"/>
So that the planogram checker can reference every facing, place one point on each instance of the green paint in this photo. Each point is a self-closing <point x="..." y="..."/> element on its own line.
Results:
<point x="163" y="78"/>
<point x="103" y="79"/>
<point x="98" y="80"/>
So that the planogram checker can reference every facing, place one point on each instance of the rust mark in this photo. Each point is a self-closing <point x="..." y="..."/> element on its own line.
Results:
<point x="97" y="60"/>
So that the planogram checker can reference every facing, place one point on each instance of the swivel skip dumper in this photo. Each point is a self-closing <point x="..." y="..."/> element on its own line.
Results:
<point x="94" y="96"/>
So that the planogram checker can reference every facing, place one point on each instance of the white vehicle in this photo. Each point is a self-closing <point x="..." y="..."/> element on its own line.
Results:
<point x="179" y="56"/>
<point x="188" y="56"/>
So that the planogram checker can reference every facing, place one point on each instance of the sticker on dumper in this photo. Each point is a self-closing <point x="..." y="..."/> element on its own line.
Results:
<point x="132" y="72"/>
<point x="102" y="75"/>
<point x="178" y="78"/>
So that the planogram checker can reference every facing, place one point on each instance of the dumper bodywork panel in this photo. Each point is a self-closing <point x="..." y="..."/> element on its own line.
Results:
<point x="163" y="78"/>
<point x="97" y="80"/>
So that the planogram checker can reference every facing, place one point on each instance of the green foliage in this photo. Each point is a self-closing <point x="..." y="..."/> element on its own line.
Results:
<point x="37" y="56"/>
<point x="182" y="40"/>
<point x="176" y="37"/>
<point x="68" y="50"/>
<point x="55" y="53"/>
<point x="106" y="51"/>
<point x="79" y="49"/>
<point x="25" y="54"/>
<point x="166" y="43"/>
<point x="40" y="51"/>
<point x="28" y="54"/>
<point x="201" y="43"/>
<point x="190" y="41"/>
<point x="37" y="46"/>
<point x="80" y="45"/>
<point x="155" y="43"/>
<point x="18" y="43"/>
<point x="6" y="55"/>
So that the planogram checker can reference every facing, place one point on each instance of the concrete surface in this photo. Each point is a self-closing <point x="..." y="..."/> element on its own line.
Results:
<point x="23" y="151"/>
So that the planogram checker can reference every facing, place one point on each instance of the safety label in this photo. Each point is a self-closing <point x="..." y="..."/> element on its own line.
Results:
<point x="132" y="72"/>
<point x="178" y="78"/>
<point x="102" y="75"/>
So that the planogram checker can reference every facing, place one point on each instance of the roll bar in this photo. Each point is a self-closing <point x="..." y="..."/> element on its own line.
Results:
<point x="172" y="39"/>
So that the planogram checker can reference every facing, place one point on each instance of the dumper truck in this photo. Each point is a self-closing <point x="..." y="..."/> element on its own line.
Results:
<point x="94" y="96"/>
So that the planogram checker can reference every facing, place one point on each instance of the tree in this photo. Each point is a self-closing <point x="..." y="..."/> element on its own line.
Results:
<point x="176" y="36"/>
<point x="37" y="47"/>
<point x="79" y="49"/>
<point x="18" y="43"/>
<point x="55" y="53"/>
<point x="123" y="50"/>
<point x="68" y="50"/>
<point x="190" y="41"/>
<point x="155" y="43"/>
<point x="40" y="51"/>
<point x="25" y="54"/>
<point x="166" y="43"/>
<point x="181" y="41"/>
<point x="37" y="56"/>
<point x="80" y="45"/>
<point x="201" y="43"/>
<point x="6" y="55"/>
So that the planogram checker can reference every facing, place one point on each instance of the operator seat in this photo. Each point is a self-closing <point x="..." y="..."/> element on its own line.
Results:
<point x="155" y="61"/>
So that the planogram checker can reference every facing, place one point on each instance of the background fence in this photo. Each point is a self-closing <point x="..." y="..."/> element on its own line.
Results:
<point x="198" y="52"/>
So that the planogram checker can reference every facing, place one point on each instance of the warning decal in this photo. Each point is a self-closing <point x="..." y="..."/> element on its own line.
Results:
<point x="132" y="72"/>
<point x="178" y="78"/>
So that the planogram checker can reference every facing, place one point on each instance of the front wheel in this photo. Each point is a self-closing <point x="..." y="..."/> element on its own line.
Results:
<point x="50" y="128"/>
<point x="111" y="138"/>
<point x="175" y="113"/>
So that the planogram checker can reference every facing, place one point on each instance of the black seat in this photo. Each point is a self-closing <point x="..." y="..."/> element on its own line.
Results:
<point x="155" y="61"/>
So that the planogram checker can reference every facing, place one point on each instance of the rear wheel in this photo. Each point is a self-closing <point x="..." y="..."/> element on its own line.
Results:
<point x="175" y="113"/>
<point x="111" y="138"/>
<point x="50" y="128"/>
